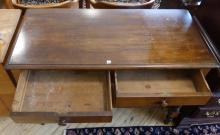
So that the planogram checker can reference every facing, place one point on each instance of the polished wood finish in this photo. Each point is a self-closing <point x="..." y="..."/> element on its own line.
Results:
<point x="120" y="5"/>
<point x="135" y="39"/>
<point x="63" y="96"/>
<point x="8" y="24"/>
<point x="151" y="87"/>
<point x="164" y="41"/>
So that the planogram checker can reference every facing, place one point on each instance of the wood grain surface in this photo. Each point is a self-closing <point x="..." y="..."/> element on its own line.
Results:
<point x="85" y="96"/>
<point x="8" y="23"/>
<point x="151" y="87"/>
<point x="109" y="39"/>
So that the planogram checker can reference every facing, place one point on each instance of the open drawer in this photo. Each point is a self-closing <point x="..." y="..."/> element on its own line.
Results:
<point x="139" y="88"/>
<point x="63" y="97"/>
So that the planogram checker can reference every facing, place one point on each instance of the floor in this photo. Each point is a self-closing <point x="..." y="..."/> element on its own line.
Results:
<point x="122" y="117"/>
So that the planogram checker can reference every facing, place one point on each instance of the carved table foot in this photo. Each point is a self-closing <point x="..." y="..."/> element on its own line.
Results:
<point x="173" y="112"/>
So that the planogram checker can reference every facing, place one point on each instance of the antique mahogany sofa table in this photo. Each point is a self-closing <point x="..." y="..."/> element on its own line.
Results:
<point x="78" y="64"/>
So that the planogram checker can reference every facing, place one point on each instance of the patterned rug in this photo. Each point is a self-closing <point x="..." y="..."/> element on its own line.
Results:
<point x="211" y="129"/>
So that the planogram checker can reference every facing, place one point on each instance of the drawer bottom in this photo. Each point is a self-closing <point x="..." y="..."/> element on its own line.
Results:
<point x="62" y="96"/>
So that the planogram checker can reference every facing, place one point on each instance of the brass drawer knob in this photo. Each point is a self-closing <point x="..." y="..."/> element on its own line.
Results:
<point x="164" y="103"/>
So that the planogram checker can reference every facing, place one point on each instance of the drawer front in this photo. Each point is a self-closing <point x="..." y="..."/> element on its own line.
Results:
<point x="86" y="118"/>
<point x="49" y="117"/>
<point x="62" y="96"/>
<point x="162" y="101"/>
<point x="160" y="87"/>
<point x="34" y="117"/>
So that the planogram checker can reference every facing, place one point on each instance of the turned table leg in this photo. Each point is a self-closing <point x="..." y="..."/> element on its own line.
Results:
<point x="82" y="2"/>
<point x="87" y="3"/>
<point x="173" y="112"/>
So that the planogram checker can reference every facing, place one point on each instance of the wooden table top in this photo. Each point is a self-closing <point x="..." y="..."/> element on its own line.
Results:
<point x="8" y="22"/>
<point x="109" y="39"/>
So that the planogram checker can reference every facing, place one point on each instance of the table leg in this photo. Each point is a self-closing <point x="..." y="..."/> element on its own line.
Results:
<point x="87" y="3"/>
<point x="81" y="3"/>
<point x="173" y="112"/>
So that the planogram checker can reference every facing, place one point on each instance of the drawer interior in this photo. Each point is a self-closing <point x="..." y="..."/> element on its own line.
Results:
<point x="160" y="83"/>
<point x="64" y="94"/>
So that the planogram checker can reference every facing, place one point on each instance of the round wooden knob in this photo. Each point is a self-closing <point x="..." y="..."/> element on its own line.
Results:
<point x="164" y="103"/>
